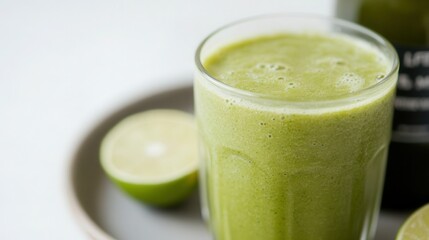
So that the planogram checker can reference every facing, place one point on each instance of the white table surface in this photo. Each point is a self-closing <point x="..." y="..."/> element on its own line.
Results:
<point x="64" y="65"/>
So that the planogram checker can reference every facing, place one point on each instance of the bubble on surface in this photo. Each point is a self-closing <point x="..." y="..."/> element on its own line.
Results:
<point x="277" y="67"/>
<point x="351" y="81"/>
<point x="253" y="76"/>
<point x="315" y="70"/>
<point x="272" y="67"/>
<point x="260" y="65"/>
<point x="229" y="102"/>
<point x="291" y="85"/>
<point x="340" y="62"/>
<point x="331" y="61"/>
<point x="227" y="75"/>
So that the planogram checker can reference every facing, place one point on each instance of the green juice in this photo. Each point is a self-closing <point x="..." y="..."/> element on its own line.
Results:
<point x="304" y="156"/>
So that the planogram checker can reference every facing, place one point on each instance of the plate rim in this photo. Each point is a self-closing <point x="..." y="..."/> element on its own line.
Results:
<point x="80" y="216"/>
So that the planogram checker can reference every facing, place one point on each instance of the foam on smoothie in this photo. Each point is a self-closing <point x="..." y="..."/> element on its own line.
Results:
<point x="298" y="67"/>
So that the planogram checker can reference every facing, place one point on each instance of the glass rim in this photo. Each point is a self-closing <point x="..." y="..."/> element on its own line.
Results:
<point x="344" y="23"/>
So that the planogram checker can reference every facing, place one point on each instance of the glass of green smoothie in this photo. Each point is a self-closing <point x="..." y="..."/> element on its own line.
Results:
<point x="294" y="115"/>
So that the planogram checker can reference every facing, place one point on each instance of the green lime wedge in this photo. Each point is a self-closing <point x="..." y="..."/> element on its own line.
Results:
<point x="153" y="156"/>
<point x="416" y="227"/>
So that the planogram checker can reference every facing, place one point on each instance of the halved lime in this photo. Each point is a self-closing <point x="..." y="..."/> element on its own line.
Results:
<point x="416" y="227"/>
<point x="152" y="156"/>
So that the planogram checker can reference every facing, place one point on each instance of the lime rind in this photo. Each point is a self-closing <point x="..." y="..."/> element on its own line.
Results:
<point x="161" y="194"/>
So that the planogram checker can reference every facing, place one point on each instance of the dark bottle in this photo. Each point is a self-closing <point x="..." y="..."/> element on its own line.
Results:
<point x="405" y="23"/>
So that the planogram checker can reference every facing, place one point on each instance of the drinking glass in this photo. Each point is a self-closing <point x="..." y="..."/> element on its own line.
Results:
<point x="274" y="168"/>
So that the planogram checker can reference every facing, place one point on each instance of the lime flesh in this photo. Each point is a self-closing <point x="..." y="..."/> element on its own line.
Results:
<point x="153" y="156"/>
<point x="417" y="226"/>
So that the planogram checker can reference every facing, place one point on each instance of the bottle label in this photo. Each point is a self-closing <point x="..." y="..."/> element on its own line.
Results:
<point x="411" y="117"/>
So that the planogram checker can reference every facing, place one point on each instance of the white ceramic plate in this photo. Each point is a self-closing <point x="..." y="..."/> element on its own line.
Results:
<point x="106" y="213"/>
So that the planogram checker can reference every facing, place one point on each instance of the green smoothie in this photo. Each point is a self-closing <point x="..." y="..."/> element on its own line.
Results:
<point x="303" y="158"/>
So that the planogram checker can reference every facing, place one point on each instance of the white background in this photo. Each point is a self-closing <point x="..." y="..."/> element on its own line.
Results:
<point x="64" y="65"/>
